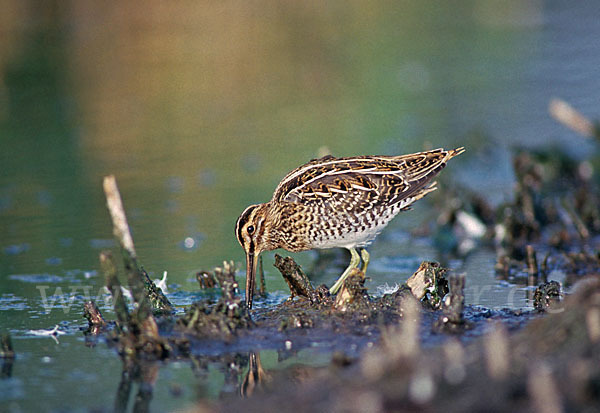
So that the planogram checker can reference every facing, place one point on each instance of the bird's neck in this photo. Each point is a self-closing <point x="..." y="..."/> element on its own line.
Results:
<point x="280" y="231"/>
<point x="270" y="235"/>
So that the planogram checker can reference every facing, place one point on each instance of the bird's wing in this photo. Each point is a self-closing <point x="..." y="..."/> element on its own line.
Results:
<point x="363" y="181"/>
<point x="329" y="175"/>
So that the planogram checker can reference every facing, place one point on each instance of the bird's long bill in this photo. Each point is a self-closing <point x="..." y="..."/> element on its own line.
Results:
<point x="251" y="261"/>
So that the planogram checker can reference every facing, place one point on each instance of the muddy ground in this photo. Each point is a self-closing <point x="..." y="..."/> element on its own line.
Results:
<point x="418" y="347"/>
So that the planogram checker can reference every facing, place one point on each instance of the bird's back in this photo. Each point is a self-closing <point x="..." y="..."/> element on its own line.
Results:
<point x="348" y="201"/>
<point x="327" y="176"/>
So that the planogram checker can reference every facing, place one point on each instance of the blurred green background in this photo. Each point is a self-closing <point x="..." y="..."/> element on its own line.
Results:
<point x="200" y="108"/>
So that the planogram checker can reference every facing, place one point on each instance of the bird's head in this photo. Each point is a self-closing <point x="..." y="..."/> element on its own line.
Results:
<point x="250" y="230"/>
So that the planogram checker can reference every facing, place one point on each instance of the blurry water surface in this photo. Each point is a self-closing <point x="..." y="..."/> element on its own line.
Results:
<point x="200" y="108"/>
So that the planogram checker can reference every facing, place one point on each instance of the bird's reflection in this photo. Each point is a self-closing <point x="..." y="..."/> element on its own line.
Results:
<point x="256" y="377"/>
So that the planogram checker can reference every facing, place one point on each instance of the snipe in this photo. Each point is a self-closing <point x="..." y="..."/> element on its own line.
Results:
<point x="336" y="202"/>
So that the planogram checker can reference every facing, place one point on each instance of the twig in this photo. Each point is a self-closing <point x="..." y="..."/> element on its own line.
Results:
<point x="573" y="119"/>
<point x="532" y="266"/>
<point x="543" y="390"/>
<point x="109" y="269"/>
<point x="92" y="313"/>
<point x="145" y="294"/>
<point x="497" y="352"/>
<point x="544" y="269"/>
<point x="455" y="301"/>
<point x="295" y="278"/>
<point x="117" y="213"/>
<point x="578" y="223"/>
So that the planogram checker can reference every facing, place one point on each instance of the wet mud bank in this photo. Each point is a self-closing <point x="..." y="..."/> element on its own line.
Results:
<point x="419" y="346"/>
<point x="544" y="359"/>
<point x="548" y="364"/>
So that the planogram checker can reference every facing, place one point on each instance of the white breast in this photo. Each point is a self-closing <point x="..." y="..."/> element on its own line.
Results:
<point x="358" y="231"/>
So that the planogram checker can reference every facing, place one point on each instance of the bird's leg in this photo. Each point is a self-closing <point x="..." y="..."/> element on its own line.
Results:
<point x="354" y="261"/>
<point x="365" y="258"/>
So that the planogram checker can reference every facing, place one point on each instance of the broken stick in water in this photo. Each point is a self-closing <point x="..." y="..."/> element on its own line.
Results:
<point x="295" y="278"/>
<point x="566" y="114"/>
<point x="145" y="293"/>
<point x="114" y="287"/>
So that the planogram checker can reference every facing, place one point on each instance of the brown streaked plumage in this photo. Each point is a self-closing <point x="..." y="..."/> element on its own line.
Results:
<point x="336" y="202"/>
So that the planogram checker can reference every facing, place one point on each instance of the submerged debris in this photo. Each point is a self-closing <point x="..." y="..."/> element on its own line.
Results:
<point x="295" y="278"/>
<point x="551" y="224"/>
<point x="220" y="320"/>
<point x="137" y="335"/>
<point x="206" y="280"/>
<point x="546" y="295"/>
<point x="352" y="312"/>
<point x="429" y="284"/>
<point x="144" y="291"/>
<point x="92" y="313"/>
<point x="452" y="319"/>
<point x="217" y="321"/>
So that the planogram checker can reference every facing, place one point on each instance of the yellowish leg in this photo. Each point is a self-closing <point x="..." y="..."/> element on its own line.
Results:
<point x="365" y="258"/>
<point x="354" y="261"/>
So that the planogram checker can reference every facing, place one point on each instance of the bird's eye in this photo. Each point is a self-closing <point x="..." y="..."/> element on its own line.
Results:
<point x="250" y="229"/>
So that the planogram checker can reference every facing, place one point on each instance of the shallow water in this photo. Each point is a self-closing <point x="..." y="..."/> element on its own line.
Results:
<point x="199" y="110"/>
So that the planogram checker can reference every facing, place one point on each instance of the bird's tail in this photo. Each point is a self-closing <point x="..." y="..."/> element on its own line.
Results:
<point x="454" y="152"/>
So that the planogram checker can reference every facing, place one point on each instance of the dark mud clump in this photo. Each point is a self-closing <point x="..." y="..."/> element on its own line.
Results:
<point x="217" y="320"/>
<point x="298" y="282"/>
<point x="547" y="295"/>
<point x="452" y="319"/>
<point x="352" y="314"/>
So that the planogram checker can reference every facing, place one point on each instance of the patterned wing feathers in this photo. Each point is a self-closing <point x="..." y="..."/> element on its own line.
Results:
<point x="380" y="179"/>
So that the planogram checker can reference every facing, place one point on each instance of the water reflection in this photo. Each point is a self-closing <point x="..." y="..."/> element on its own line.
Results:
<point x="7" y="367"/>
<point x="142" y="374"/>
<point x="255" y="377"/>
<point x="7" y="355"/>
<point x="243" y="375"/>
